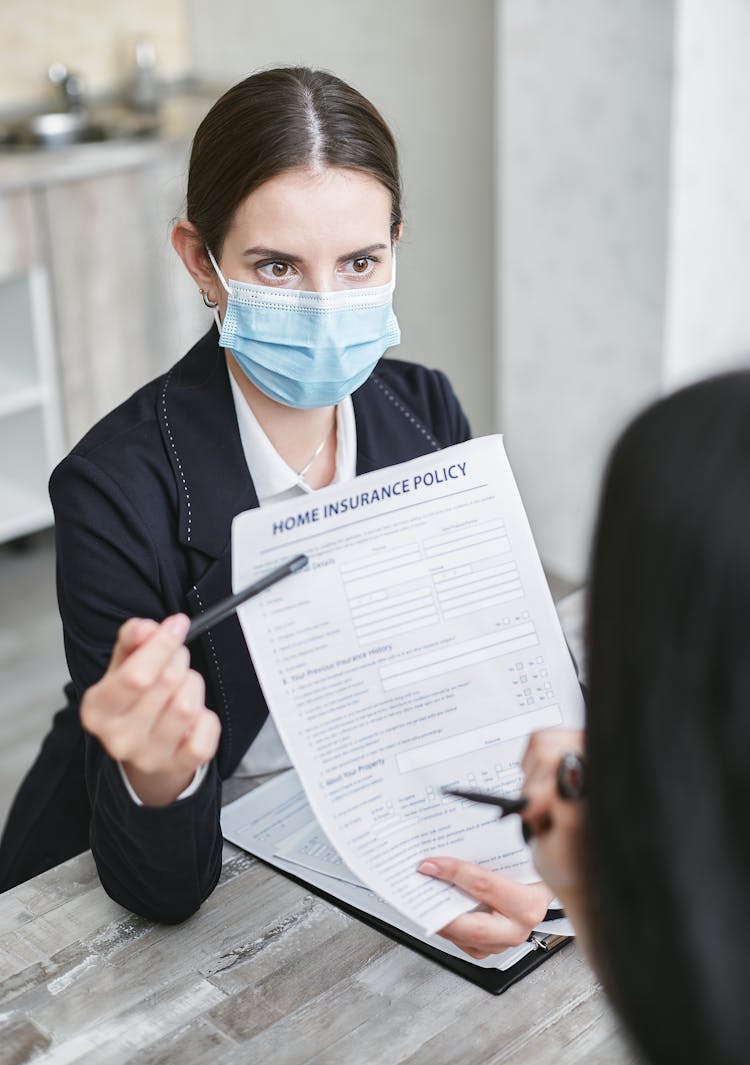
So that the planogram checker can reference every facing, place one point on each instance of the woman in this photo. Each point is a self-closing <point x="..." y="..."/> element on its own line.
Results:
<point x="654" y="866"/>
<point x="293" y="218"/>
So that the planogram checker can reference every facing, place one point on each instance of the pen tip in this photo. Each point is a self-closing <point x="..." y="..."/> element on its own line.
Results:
<point x="298" y="563"/>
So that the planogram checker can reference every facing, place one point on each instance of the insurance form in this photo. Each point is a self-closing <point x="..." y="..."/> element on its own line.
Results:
<point x="418" y="650"/>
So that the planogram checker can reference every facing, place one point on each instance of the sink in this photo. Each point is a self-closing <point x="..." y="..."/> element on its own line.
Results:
<point x="59" y="128"/>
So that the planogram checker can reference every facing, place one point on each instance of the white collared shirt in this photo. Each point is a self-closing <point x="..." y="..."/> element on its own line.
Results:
<point x="274" y="480"/>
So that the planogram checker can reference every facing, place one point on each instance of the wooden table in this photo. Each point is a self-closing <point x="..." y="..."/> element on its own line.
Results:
<point x="265" y="973"/>
<point x="268" y="974"/>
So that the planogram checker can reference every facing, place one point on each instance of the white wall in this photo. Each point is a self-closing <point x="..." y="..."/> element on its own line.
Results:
<point x="427" y="65"/>
<point x="93" y="39"/>
<point x="708" y="304"/>
<point x="578" y="229"/>
<point x="584" y="93"/>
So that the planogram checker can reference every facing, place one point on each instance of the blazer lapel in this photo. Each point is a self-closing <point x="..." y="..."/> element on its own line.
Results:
<point x="201" y="437"/>
<point x="202" y="440"/>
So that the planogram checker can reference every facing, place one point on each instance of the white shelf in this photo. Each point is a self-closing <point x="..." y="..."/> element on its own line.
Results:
<point x="15" y="396"/>
<point x="30" y="430"/>
<point x="23" y="510"/>
<point x="19" y="357"/>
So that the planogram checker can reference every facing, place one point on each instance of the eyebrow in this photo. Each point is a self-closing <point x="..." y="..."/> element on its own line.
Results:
<point x="360" y="253"/>
<point x="291" y="257"/>
<point x="273" y="253"/>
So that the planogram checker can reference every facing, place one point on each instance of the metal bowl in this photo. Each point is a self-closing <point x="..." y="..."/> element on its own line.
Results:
<point x="55" y="128"/>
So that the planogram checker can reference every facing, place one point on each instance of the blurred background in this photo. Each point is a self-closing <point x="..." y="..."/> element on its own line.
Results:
<point x="577" y="195"/>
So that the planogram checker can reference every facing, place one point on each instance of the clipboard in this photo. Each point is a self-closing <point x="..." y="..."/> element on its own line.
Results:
<point x="491" y="979"/>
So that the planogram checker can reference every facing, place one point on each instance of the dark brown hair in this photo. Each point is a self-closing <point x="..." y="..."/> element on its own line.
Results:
<point x="279" y="120"/>
<point x="668" y="725"/>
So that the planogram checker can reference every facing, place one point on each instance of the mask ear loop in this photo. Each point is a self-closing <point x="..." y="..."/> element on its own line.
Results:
<point x="217" y="316"/>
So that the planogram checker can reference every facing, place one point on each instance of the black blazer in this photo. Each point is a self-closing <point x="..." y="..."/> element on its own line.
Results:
<point x="143" y="510"/>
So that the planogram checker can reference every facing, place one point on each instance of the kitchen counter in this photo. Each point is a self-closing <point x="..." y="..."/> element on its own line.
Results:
<point x="39" y="167"/>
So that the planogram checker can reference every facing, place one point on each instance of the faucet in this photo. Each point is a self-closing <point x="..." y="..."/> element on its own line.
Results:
<point x="143" y="92"/>
<point x="72" y="86"/>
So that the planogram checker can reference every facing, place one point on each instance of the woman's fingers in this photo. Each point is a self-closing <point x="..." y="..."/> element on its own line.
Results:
<point x="485" y="933"/>
<point x="147" y="705"/>
<point x="121" y="708"/>
<point x="545" y="748"/>
<point x="186" y="738"/>
<point x="556" y="823"/>
<point x="143" y="667"/>
<point x="512" y="909"/>
<point x="540" y="764"/>
<point x="201" y="744"/>
<point x="130" y="635"/>
<point x="525" y="903"/>
<point x="142" y="651"/>
<point x="174" y="725"/>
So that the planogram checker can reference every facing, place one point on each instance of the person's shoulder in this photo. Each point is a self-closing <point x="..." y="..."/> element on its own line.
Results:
<point x="416" y="385"/>
<point x="412" y="380"/>
<point x="412" y="375"/>
<point x="427" y="393"/>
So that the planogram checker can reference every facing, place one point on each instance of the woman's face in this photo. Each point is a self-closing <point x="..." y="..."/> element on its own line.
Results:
<point x="315" y="230"/>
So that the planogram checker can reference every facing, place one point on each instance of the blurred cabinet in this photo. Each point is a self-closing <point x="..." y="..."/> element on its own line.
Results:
<point x="181" y="317"/>
<point x="119" y="300"/>
<point x="100" y="289"/>
<point x="30" y="425"/>
<point x="94" y="302"/>
<point x="19" y="232"/>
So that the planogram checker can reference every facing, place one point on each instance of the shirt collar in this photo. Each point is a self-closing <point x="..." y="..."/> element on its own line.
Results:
<point x="273" y="478"/>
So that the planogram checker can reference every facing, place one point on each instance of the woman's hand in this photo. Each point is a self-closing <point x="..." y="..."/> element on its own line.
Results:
<point x="556" y="823"/>
<point x="148" y="710"/>
<point x="510" y="911"/>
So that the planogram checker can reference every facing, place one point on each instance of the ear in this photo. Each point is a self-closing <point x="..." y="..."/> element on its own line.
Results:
<point x="397" y="235"/>
<point x="190" y="248"/>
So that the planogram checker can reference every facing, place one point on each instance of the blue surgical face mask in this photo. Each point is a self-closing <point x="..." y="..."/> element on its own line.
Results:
<point x="307" y="349"/>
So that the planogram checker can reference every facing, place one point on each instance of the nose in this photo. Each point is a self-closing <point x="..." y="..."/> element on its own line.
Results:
<point x="322" y="280"/>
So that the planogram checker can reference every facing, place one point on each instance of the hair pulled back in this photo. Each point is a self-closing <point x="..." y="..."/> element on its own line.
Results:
<point x="279" y="120"/>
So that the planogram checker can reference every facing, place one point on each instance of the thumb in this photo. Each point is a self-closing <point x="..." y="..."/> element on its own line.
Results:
<point x="130" y="636"/>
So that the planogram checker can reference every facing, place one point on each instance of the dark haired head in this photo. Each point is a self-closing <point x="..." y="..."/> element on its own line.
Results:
<point x="279" y="120"/>
<point x="668" y="731"/>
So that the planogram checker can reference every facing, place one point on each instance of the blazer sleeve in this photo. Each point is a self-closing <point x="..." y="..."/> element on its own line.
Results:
<point x="457" y="428"/>
<point x="158" y="862"/>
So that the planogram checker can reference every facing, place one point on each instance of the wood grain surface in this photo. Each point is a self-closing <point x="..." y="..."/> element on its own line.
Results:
<point x="266" y="972"/>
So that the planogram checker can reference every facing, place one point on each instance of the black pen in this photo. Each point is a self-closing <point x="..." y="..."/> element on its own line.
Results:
<point x="571" y="784"/>
<point x="507" y="805"/>
<point x="224" y="609"/>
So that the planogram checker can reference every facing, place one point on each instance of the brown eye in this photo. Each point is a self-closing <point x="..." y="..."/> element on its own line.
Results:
<point x="361" y="266"/>
<point x="279" y="269"/>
